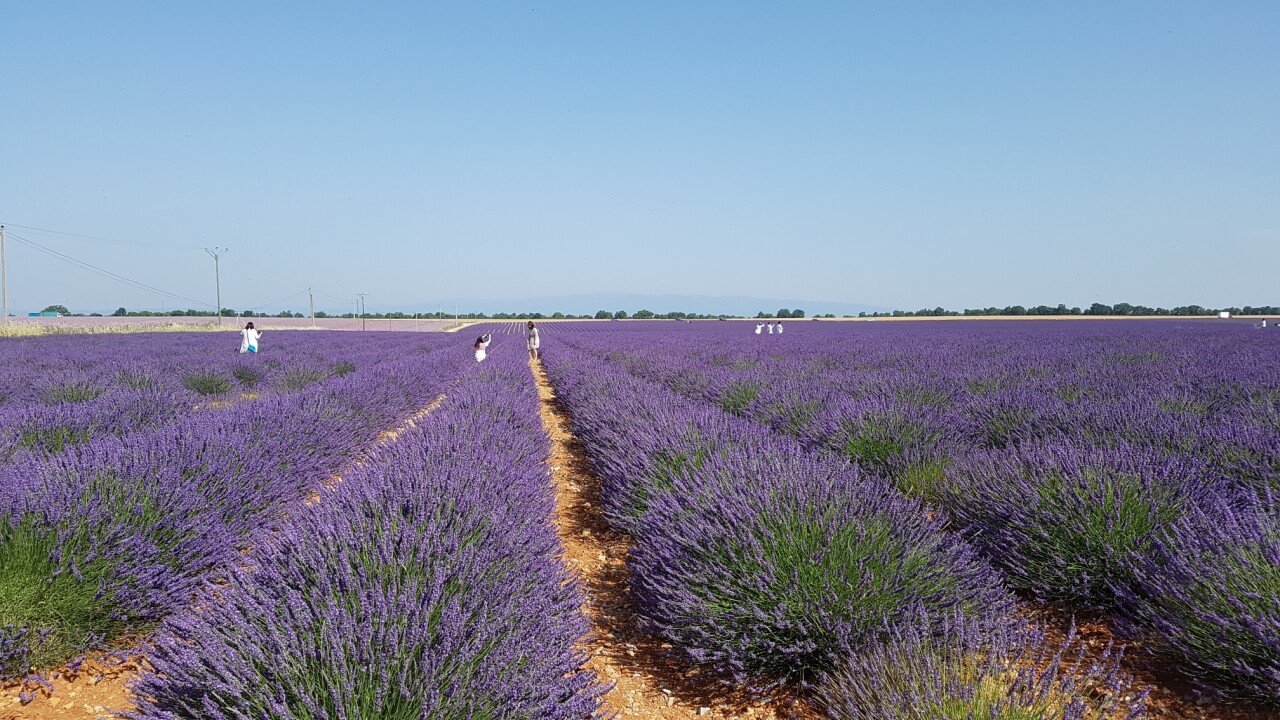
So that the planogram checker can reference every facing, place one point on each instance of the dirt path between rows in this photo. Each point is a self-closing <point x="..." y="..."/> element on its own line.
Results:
<point x="650" y="678"/>
<point x="100" y="688"/>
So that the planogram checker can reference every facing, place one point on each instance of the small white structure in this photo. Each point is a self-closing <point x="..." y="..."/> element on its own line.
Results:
<point x="1224" y="315"/>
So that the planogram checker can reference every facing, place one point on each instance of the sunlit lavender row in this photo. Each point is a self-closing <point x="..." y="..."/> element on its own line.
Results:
<point x="775" y="564"/>
<point x="427" y="583"/>
<point x="1122" y="468"/>
<point x="102" y="539"/>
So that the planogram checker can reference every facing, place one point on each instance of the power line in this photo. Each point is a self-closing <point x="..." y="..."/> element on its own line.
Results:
<point x="102" y="271"/>
<point x="254" y="268"/>
<point x="100" y="238"/>
<point x="263" y="268"/>
<point x="277" y="302"/>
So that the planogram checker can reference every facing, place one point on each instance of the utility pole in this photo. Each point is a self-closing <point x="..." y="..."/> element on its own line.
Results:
<point x="4" y="277"/>
<point x="455" y="313"/>
<point x="311" y="301"/>
<point x="216" y="253"/>
<point x="361" y="296"/>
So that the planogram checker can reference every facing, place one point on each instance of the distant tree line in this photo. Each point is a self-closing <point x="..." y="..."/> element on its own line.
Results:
<point x="1121" y="309"/>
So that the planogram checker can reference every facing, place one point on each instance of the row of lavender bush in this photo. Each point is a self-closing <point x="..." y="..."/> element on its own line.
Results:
<point x="1128" y="467"/>
<point x="107" y="538"/>
<point x="427" y="584"/>
<point x="58" y="392"/>
<point x="771" y="563"/>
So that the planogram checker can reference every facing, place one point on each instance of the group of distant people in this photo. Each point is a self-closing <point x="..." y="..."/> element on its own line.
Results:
<point x="251" y="337"/>
<point x="774" y="328"/>
<point x="532" y="341"/>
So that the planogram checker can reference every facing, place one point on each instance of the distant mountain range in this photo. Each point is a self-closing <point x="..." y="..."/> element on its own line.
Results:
<point x="591" y="302"/>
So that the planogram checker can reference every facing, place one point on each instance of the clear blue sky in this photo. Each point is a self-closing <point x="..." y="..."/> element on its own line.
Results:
<point x="902" y="155"/>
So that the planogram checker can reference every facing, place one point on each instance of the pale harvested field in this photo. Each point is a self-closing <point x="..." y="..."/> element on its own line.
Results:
<point x="26" y="326"/>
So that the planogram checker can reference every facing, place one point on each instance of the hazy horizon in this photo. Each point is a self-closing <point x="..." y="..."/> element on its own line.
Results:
<point x="881" y="155"/>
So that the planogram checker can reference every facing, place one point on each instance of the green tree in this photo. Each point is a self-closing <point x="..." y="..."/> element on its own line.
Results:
<point x="784" y="313"/>
<point x="60" y="309"/>
<point x="620" y="315"/>
<point x="120" y="312"/>
<point x="644" y="314"/>
<point x="603" y="315"/>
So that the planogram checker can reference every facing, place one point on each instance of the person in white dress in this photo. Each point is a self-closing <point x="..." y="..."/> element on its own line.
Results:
<point x="249" y="338"/>
<point x="532" y="340"/>
<point x="482" y="346"/>
<point x="770" y="328"/>
<point x="779" y="328"/>
<point x="759" y="328"/>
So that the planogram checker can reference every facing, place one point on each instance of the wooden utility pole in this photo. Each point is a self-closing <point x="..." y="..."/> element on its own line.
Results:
<point x="4" y="277"/>
<point x="216" y="253"/>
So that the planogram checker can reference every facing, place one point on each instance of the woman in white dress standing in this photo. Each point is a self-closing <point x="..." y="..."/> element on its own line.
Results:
<point x="759" y="328"/>
<point x="779" y="328"/>
<point x="249" y="338"/>
<point x="532" y="340"/>
<point x="482" y="346"/>
<point x="770" y="327"/>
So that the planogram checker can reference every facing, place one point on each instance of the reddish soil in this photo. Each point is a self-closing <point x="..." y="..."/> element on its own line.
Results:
<point x="1170" y="696"/>
<point x="100" y="689"/>
<point x="649" y="678"/>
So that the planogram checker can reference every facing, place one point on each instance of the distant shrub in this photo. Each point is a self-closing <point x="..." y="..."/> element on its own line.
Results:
<point x="207" y="383"/>
<point x="295" y="379"/>
<point x="72" y="392"/>
<point x="790" y="415"/>
<point x="900" y="441"/>
<point x="53" y="438"/>
<point x="247" y="375"/>
<point x="1011" y="417"/>
<point x="737" y="397"/>
<point x="1063" y="521"/>
<point x="1208" y="595"/>
<point x="954" y="673"/>
<point x="137" y="380"/>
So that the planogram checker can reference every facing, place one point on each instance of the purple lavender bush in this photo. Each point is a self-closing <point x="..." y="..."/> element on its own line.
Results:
<point x="1208" y="595"/>
<point x="83" y="559"/>
<point x="427" y="584"/>
<point x="1064" y="521"/>
<point x="902" y="441"/>
<point x="922" y="672"/>
<point x="775" y="565"/>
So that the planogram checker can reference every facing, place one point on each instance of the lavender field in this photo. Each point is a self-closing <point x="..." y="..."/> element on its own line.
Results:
<point x="873" y="520"/>
<point x="794" y="499"/>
